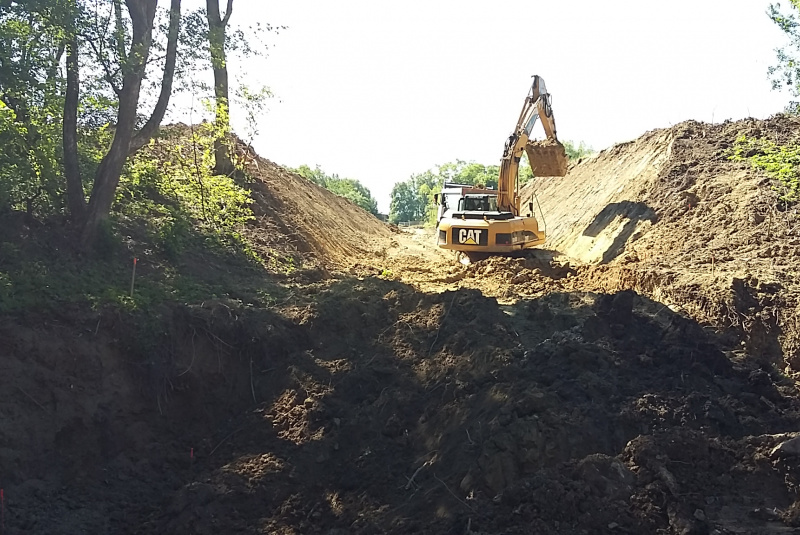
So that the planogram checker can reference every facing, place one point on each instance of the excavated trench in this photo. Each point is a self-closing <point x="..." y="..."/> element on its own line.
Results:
<point x="631" y="386"/>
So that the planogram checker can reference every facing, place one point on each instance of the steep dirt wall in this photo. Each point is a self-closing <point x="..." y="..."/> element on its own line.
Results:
<point x="319" y="223"/>
<point x="672" y="207"/>
<point x="592" y="212"/>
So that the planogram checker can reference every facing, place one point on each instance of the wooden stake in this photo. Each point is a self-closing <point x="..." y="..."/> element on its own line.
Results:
<point x="133" y="275"/>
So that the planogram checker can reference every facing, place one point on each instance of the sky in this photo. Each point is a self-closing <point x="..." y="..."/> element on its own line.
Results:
<point x="377" y="91"/>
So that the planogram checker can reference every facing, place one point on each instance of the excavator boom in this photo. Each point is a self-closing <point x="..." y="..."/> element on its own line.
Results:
<point x="478" y="221"/>
<point x="546" y="158"/>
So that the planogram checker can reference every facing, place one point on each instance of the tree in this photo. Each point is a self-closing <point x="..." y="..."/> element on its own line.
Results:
<point x="31" y="48"/>
<point x="348" y="188"/>
<point x="576" y="152"/>
<point x="132" y="65"/>
<point x="217" y="25"/>
<point x="786" y="73"/>
<point x="74" y="75"/>
<point x="406" y="204"/>
<point x="412" y="200"/>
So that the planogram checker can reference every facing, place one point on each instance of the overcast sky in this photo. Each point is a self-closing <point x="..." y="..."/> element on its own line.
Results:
<point x="378" y="90"/>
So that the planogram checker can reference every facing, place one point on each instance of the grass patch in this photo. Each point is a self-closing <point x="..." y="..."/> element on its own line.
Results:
<point x="185" y="226"/>
<point x="780" y="162"/>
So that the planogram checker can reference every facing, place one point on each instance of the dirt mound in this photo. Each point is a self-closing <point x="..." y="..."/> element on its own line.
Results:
<point x="692" y="228"/>
<point x="591" y="213"/>
<point x="321" y="227"/>
<point x="317" y="222"/>
<point x="365" y="406"/>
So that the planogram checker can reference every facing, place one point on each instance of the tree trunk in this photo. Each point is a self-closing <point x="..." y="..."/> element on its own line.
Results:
<point x="217" y="25"/>
<point x="76" y="200"/>
<point x="150" y="128"/>
<point x="106" y="180"/>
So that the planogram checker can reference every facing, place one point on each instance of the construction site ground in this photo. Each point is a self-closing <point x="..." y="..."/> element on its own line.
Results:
<point x="636" y="375"/>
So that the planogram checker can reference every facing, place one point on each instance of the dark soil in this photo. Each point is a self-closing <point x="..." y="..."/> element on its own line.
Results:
<point x="383" y="390"/>
<point x="368" y="407"/>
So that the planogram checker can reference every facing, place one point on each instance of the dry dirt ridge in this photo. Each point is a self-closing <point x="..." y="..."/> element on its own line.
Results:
<point x="638" y="390"/>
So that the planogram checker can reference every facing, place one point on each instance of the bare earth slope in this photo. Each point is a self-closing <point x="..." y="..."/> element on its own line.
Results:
<point x="672" y="217"/>
<point x="317" y="224"/>
<point x="598" y="206"/>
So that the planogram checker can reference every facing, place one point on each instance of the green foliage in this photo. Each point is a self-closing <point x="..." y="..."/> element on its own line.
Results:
<point x="407" y="203"/>
<point x="169" y="187"/>
<point x="786" y="72"/>
<point x="169" y="207"/>
<point x="183" y="224"/>
<point x="576" y="152"/>
<point x="780" y="162"/>
<point x="30" y="108"/>
<point x="36" y="274"/>
<point x="348" y="188"/>
<point x="412" y="200"/>
<point x="462" y="172"/>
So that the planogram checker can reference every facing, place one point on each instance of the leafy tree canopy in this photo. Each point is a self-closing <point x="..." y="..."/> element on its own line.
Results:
<point x="348" y="188"/>
<point x="785" y="74"/>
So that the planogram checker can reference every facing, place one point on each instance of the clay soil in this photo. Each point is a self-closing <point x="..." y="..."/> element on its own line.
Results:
<point x="637" y="376"/>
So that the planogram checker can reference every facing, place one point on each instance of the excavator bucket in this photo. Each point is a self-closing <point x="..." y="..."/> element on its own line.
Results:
<point x="547" y="158"/>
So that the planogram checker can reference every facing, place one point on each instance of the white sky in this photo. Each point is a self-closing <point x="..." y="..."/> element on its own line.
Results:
<point x="377" y="90"/>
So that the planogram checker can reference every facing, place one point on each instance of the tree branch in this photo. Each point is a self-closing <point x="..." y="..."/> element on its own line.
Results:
<point x="151" y="127"/>
<point x="228" y="12"/>
<point x="108" y="76"/>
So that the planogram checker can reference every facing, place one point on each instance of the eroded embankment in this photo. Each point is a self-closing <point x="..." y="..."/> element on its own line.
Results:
<point x="364" y="406"/>
<point x="675" y="219"/>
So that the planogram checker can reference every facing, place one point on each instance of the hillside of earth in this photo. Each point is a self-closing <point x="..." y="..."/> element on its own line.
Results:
<point x="634" y="376"/>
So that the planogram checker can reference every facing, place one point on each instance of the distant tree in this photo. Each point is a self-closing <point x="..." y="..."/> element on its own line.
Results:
<point x="462" y="172"/>
<point x="412" y="200"/>
<point x="349" y="188"/>
<point x="576" y="152"/>
<point x="785" y="74"/>
<point x="406" y="204"/>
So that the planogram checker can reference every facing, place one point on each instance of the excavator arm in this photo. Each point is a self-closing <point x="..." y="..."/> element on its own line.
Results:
<point x="547" y="158"/>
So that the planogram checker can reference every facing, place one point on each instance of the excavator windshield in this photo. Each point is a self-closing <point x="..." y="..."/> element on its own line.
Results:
<point x="478" y="203"/>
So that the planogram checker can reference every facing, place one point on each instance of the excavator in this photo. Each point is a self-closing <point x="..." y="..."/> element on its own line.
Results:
<point x="477" y="221"/>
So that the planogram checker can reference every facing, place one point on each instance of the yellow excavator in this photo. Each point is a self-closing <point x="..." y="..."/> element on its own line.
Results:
<point x="477" y="221"/>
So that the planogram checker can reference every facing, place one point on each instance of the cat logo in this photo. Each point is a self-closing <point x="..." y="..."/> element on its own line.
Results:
<point x="467" y="236"/>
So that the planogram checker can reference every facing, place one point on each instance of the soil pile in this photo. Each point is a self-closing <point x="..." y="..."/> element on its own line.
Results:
<point x="673" y="218"/>
<point x="299" y="217"/>
<point x="318" y="223"/>
<point x="365" y="406"/>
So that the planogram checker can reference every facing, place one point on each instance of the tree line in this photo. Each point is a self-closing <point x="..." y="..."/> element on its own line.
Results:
<point x="349" y="188"/>
<point x="75" y="79"/>
<point x="412" y="199"/>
